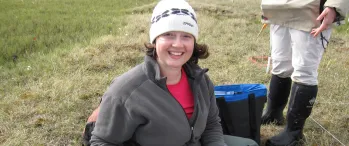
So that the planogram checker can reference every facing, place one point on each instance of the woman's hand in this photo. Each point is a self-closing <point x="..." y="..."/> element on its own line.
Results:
<point x="93" y="116"/>
<point x="327" y="16"/>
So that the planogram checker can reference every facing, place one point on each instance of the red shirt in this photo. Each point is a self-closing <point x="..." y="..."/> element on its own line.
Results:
<point x="182" y="93"/>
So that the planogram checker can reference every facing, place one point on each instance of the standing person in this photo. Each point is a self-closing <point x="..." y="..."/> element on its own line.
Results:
<point x="299" y="31"/>
<point x="168" y="100"/>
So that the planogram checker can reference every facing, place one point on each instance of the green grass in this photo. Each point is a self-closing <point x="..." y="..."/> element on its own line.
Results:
<point x="344" y="29"/>
<point x="46" y="96"/>
<point x="31" y="26"/>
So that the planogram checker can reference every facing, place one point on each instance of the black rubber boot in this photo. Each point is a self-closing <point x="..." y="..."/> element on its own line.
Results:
<point x="300" y="106"/>
<point x="279" y="90"/>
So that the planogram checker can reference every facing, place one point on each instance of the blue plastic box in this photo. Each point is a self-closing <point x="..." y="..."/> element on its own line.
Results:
<point x="240" y="109"/>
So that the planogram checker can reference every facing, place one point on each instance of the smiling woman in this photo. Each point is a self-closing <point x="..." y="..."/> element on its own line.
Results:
<point x="168" y="99"/>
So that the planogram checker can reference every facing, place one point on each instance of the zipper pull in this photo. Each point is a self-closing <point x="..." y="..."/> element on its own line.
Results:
<point x="192" y="134"/>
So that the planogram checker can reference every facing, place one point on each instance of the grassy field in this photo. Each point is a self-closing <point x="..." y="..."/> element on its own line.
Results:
<point x="30" y="26"/>
<point x="57" y="80"/>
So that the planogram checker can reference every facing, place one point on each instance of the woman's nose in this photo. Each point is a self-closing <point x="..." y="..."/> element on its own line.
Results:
<point x="177" y="42"/>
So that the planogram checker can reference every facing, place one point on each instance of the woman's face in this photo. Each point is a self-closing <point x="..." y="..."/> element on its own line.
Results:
<point x="174" y="49"/>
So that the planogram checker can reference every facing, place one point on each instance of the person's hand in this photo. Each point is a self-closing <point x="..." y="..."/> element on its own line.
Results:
<point x="93" y="116"/>
<point x="327" y="16"/>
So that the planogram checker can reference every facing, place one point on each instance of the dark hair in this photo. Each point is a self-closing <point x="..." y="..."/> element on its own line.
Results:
<point x="200" y="52"/>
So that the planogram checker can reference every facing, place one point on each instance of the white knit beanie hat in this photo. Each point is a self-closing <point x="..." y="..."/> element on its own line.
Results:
<point x="173" y="15"/>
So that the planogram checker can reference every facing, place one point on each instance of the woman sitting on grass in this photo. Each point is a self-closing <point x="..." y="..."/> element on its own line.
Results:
<point x="168" y="100"/>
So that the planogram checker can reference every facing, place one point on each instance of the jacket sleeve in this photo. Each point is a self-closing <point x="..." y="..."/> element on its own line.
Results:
<point x="116" y="122"/>
<point x="342" y="6"/>
<point x="213" y="134"/>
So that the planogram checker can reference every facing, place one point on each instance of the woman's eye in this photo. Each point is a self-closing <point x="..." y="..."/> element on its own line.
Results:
<point x="187" y="36"/>
<point x="169" y="34"/>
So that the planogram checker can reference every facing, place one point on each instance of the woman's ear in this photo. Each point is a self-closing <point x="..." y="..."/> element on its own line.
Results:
<point x="154" y="52"/>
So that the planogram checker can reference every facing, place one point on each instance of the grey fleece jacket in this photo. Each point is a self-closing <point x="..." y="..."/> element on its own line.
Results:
<point x="137" y="109"/>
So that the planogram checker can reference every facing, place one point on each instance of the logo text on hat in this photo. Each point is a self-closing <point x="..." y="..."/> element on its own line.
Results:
<point x="173" y="11"/>
<point x="187" y="23"/>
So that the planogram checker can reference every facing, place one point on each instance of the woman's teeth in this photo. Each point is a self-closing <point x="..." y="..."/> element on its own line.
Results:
<point x="176" y="53"/>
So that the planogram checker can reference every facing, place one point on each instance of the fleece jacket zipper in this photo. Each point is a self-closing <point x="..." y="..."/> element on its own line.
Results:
<point x="185" y="115"/>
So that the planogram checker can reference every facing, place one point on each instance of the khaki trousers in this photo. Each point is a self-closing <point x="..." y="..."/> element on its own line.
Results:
<point x="297" y="53"/>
